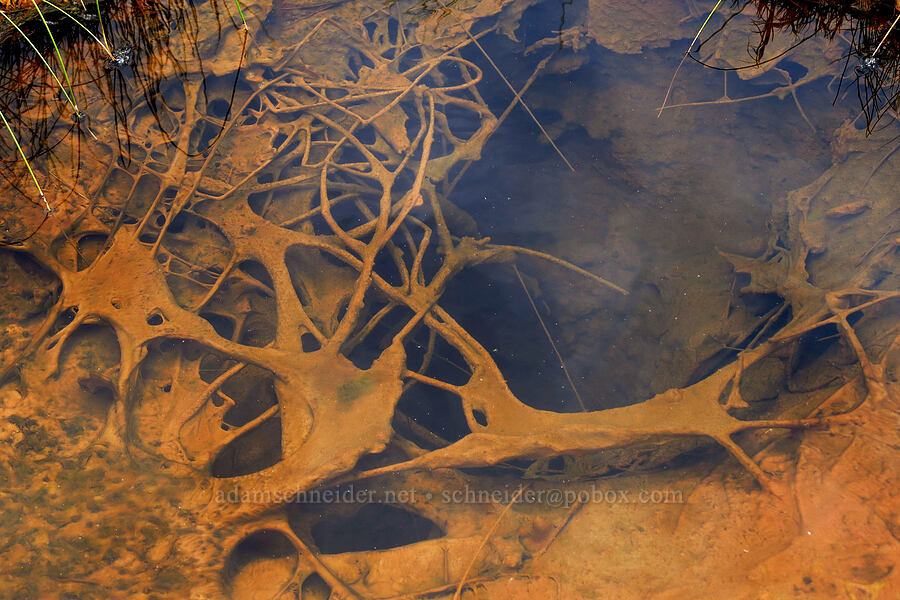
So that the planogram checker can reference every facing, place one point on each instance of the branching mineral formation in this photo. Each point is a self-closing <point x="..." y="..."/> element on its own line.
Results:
<point x="238" y="303"/>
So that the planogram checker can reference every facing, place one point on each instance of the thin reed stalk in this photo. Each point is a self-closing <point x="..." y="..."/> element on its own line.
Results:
<point x="103" y="29"/>
<point x="241" y="12"/>
<point x="103" y="43"/>
<point x="62" y="64"/>
<point x="69" y="98"/>
<point x="47" y="209"/>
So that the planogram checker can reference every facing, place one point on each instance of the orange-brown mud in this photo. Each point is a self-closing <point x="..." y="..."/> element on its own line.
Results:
<point x="235" y="365"/>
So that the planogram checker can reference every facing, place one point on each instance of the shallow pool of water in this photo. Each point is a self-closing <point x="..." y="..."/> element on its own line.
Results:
<point x="444" y="299"/>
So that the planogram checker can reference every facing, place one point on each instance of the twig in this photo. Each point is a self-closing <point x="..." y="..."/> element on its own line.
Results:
<point x="512" y="89"/>
<point x="561" y="262"/>
<point x="684" y="58"/>
<point x="562" y="363"/>
<point x="569" y="516"/>
<point x="484" y="541"/>
<point x="324" y="572"/>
